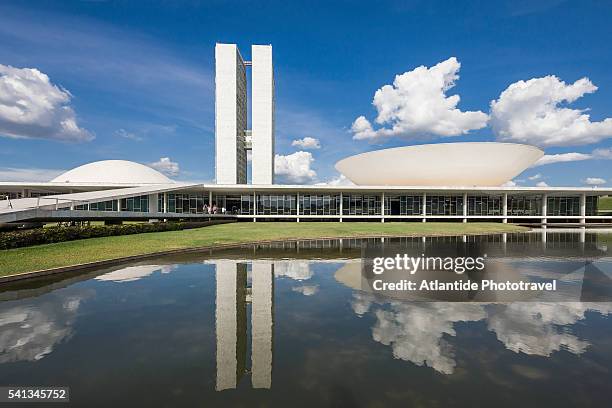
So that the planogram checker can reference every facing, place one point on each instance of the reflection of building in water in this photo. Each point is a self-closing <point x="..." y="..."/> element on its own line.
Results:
<point x="134" y="273"/>
<point x="230" y="318"/>
<point x="233" y="294"/>
<point x="262" y="323"/>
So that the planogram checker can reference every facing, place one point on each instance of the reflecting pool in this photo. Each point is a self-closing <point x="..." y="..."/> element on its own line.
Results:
<point x="287" y="325"/>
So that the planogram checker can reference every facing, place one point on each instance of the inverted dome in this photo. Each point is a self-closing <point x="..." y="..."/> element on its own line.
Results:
<point x="113" y="172"/>
<point x="483" y="164"/>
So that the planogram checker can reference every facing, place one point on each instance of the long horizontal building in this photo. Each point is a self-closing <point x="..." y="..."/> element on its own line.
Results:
<point x="87" y="199"/>
<point x="449" y="181"/>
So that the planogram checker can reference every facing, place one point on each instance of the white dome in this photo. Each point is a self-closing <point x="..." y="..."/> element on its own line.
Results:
<point x="113" y="172"/>
<point x="444" y="164"/>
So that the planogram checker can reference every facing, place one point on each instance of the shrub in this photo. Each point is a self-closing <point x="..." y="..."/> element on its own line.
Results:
<point x="38" y="236"/>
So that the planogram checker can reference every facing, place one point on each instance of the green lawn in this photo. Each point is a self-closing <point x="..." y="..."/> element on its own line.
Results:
<point x="96" y="249"/>
<point x="605" y="204"/>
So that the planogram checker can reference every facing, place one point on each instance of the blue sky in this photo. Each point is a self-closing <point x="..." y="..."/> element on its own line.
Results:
<point x="140" y="76"/>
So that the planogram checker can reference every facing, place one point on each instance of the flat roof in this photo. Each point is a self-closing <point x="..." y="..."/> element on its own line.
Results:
<point x="90" y="187"/>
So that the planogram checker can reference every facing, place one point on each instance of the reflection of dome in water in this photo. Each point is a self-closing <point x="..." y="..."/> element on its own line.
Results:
<point x="443" y="164"/>
<point x="113" y="171"/>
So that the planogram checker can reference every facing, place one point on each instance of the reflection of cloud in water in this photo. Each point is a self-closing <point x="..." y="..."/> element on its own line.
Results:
<point x="362" y="302"/>
<point x="415" y="331"/>
<point x="297" y="270"/>
<point x="307" y="290"/>
<point x="133" y="273"/>
<point x="29" y="333"/>
<point x="538" y="328"/>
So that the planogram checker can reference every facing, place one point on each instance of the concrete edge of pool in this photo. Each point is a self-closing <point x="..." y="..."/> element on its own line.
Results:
<point x="117" y="261"/>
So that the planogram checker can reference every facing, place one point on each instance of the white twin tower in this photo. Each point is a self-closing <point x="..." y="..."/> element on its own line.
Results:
<point x="232" y="137"/>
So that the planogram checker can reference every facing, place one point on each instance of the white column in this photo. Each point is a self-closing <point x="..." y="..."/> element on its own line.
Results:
<point x="165" y="203"/>
<point x="254" y="206"/>
<point x="153" y="203"/>
<point x="230" y="115"/>
<point x="505" y="208"/>
<point x="424" y="207"/>
<point x="544" y="209"/>
<point x="262" y="323"/>
<point x="210" y="199"/>
<point x="341" y="205"/>
<point x="583" y="208"/>
<point x="382" y="207"/>
<point x="262" y="114"/>
<point x="465" y="207"/>
<point x="118" y="205"/>
<point x="297" y="206"/>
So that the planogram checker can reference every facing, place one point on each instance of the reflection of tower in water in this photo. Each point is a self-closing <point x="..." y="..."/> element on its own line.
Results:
<point x="231" y="323"/>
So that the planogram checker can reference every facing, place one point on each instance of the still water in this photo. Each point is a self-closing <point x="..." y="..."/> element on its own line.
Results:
<point x="286" y="325"/>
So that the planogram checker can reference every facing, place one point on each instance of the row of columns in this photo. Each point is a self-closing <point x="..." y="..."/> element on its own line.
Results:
<point x="153" y="206"/>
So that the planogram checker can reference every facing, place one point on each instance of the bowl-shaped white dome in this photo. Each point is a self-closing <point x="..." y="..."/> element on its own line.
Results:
<point x="113" y="172"/>
<point x="444" y="164"/>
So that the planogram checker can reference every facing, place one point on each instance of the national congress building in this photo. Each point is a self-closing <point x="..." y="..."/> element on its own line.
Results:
<point x="460" y="182"/>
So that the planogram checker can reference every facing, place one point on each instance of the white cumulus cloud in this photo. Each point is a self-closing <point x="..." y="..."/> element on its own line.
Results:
<point x="127" y="135"/>
<point x="339" y="180"/>
<point x="33" y="107"/>
<point x="597" y="154"/>
<point x="542" y="184"/>
<point x="594" y="181"/>
<point x="416" y="106"/>
<point x="562" y="157"/>
<point x="166" y="166"/>
<point x="535" y="177"/>
<point x="603" y="153"/>
<point x="295" y="167"/>
<point x="535" y="112"/>
<point x="307" y="143"/>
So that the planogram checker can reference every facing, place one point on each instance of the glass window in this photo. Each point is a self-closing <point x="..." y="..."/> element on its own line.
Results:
<point x="563" y="206"/>
<point x="524" y="205"/>
<point x="444" y="205"/>
<point x="276" y="204"/>
<point x="356" y="204"/>
<point x="136" y="204"/>
<point x="326" y="204"/>
<point x="592" y="203"/>
<point x="485" y="205"/>
<point x="104" y="206"/>
<point x="403" y="205"/>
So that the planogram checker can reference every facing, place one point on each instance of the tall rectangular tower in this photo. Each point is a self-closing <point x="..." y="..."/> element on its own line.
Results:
<point x="262" y="114"/>
<point x="230" y="115"/>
